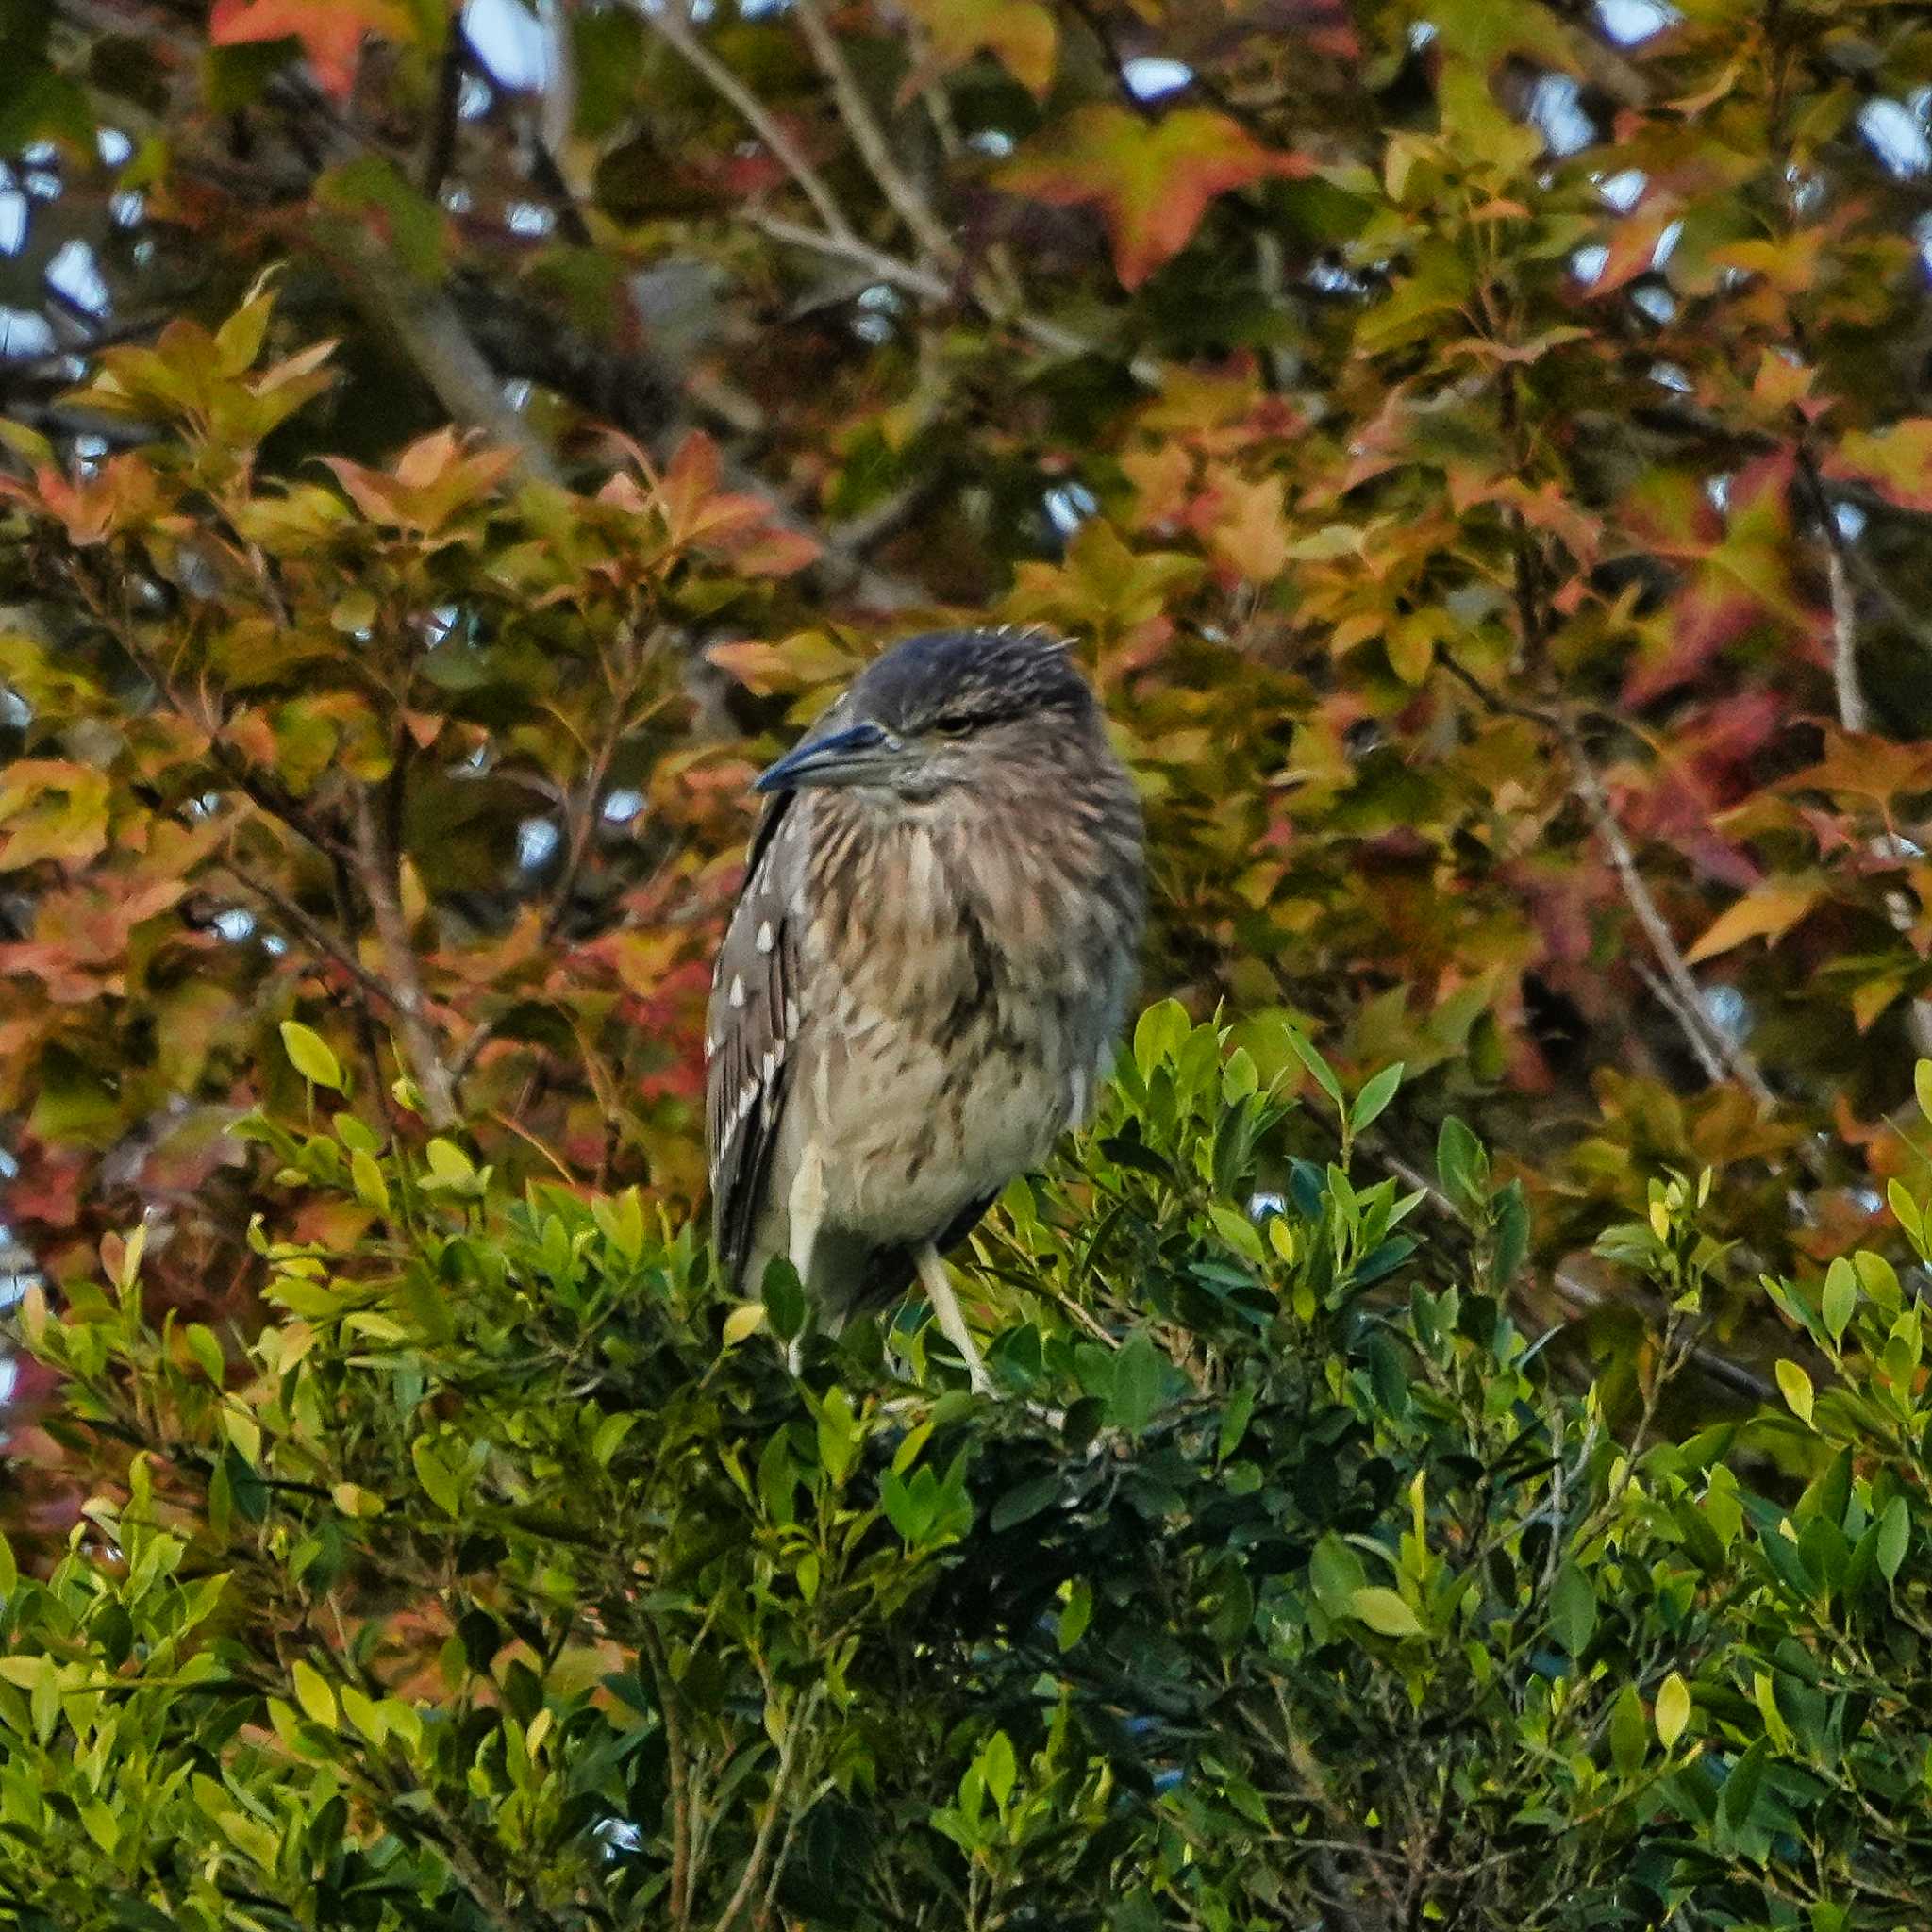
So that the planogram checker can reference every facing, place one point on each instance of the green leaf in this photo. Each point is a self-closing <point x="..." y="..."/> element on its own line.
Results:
<point x="1138" y="1372"/>
<point x="784" y="1299"/>
<point x="1572" y="1609"/>
<point x="314" y="1694"/>
<point x="747" y="1318"/>
<point x="1840" y="1297"/>
<point x="1336" y="1575"/>
<point x="1741" y="1786"/>
<point x="450" y="1168"/>
<point x="1234" y="1422"/>
<point x="1630" y="1733"/>
<point x="1323" y="1074"/>
<point x="1796" y="1385"/>
<point x="1461" y="1165"/>
<point x="1026" y="1500"/>
<point x="1672" y="1709"/>
<point x="1384" y="1611"/>
<point x="999" y="1768"/>
<point x="1077" y="1613"/>
<point x="1374" y="1098"/>
<point x="1904" y="1208"/>
<point x="439" y="1482"/>
<point x="366" y="1177"/>
<point x="1894" y="1532"/>
<point x="610" y="1432"/>
<point x="1158" y="1035"/>
<point x="311" y="1056"/>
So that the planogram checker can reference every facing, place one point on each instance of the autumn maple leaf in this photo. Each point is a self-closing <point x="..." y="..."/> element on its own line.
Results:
<point x="330" y="31"/>
<point x="1151" y="182"/>
<point x="1019" y="34"/>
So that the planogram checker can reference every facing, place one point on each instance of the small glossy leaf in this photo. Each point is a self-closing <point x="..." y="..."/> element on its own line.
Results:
<point x="311" y="1055"/>
<point x="1672" y="1710"/>
<point x="1383" y="1611"/>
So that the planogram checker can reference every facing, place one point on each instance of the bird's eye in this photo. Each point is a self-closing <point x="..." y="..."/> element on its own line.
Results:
<point x="951" y="725"/>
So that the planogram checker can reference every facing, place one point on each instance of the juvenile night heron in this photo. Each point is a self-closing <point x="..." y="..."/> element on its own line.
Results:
<point x="926" y="969"/>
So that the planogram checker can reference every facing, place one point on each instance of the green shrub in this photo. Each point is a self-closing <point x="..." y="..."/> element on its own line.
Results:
<point x="505" y="1579"/>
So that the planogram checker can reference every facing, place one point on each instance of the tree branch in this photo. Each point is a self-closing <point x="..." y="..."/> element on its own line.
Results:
<point x="677" y="1769"/>
<point x="1706" y="1036"/>
<point x="754" y="1875"/>
<point x="430" y="333"/>
<point x="922" y="282"/>
<point x="869" y="138"/>
<point x="375" y="865"/>
<point x="674" y="30"/>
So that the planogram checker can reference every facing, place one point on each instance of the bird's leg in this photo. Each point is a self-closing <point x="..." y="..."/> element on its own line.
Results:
<point x="806" y="1215"/>
<point x="945" y="1305"/>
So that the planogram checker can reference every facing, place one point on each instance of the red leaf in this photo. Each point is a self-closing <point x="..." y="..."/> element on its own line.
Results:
<point x="330" y="31"/>
<point x="1152" y="183"/>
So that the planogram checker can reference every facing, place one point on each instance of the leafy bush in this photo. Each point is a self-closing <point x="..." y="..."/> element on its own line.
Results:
<point x="504" y="1578"/>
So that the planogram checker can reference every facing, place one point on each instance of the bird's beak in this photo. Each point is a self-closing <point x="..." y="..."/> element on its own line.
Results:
<point x="860" y="755"/>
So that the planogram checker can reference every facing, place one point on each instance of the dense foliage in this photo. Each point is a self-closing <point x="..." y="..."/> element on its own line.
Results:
<point x="506" y="1578"/>
<point x="1483" y="447"/>
<point x="1482" y="453"/>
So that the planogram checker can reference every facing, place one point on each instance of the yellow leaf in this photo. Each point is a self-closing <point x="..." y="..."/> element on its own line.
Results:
<point x="1672" y="1709"/>
<point x="1767" y="913"/>
<point x="1019" y="34"/>
<point x="747" y="1319"/>
<point x="1795" y="1385"/>
<point x="1383" y="1611"/>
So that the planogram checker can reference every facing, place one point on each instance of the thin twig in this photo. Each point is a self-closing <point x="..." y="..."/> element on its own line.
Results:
<point x="915" y="280"/>
<point x="309" y="929"/>
<point x="1719" y="1056"/>
<point x="1666" y="996"/>
<point x="754" y="1875"/>
<point x="1852" y="711"/>
<point x="431" y="332"/>
<point x="869" y="137"/>
<point x="677" y="1763"/>
<point x="671" y="26"/>
<point x="376" y="871"/>
<point x="1587" y="785"/>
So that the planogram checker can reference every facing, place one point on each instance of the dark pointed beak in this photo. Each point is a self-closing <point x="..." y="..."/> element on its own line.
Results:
<point x="860" y="755"/>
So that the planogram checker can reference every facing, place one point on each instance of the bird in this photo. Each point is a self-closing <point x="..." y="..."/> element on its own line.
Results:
<point x="926" y="971"/>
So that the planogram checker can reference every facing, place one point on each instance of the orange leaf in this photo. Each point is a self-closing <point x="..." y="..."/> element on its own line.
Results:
<point x="1152" y="184"/>
<point x="1768" y="914"/>
<point x="330" y="31"/>
<point x="1249" y="528"/>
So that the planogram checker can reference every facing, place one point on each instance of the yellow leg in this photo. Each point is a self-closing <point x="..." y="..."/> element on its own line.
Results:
<point x="805" y="1214"/>
<point x="951" y="1319"/>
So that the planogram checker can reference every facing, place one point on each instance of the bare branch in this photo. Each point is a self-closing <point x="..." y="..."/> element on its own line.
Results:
<point x="671" y="26"/>
<point x="922" y="282"/>
<point x="1706" y="1037"/>
<point x="375" y="868"/>
<point x="1852" y="711"/>
<point x="310" y="930"/>
<point x="870" y="139"/>
<point x="426" y="326"/>
<point x="757" y="1865"/>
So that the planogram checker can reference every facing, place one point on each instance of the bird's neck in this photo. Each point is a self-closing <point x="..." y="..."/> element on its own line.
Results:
<point x="1002" y="868"/>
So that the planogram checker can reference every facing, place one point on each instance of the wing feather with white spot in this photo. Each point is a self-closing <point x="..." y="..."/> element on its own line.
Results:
<point x="748" y="1035"/>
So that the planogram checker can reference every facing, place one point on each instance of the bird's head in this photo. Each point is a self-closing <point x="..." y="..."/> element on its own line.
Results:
<point x="947" y="709"/>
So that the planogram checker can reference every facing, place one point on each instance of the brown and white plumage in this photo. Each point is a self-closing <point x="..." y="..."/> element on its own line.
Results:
<point x="927" y="967"/>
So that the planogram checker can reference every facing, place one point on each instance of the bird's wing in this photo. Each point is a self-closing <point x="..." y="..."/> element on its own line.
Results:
<point x="748" y="1036"/>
